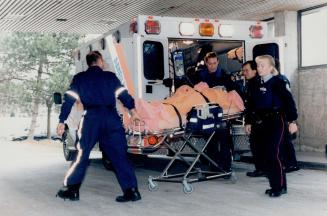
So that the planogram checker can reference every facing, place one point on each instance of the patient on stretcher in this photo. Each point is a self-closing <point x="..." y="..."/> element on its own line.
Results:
<point x="159" y="115"/>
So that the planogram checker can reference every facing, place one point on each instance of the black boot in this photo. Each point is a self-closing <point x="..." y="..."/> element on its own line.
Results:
<point x="256" y="173"/>
<point x="70" y="192"/>
<point x="292" y="168"/>
<point x="131" y="194"/>
<point x="276" y="193"/>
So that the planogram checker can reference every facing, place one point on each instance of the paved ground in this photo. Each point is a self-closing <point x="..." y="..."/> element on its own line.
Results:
<point x="31" y="173"/>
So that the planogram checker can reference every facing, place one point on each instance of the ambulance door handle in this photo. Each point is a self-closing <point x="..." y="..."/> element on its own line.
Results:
<point x="156" y="82"/>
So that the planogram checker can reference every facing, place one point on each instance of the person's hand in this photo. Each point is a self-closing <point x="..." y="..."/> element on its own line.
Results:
<point x="135" y="116"/>
<point x="60" y="129"/>
<point x="247" y="129"/>
<point x="292" y="127"/>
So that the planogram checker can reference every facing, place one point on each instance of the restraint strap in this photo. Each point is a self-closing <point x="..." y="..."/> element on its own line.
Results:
<point x="178" y="114"/>
<point x="205" y="97"/>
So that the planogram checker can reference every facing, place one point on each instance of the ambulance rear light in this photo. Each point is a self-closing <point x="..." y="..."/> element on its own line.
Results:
<point x="225" y="30"/>
<point x="186" y="29"/>
<point x="152" y="27"/>
<point x="256" y="31"/>
<point x="206" y="29"/>
<point x="152" y="140"/>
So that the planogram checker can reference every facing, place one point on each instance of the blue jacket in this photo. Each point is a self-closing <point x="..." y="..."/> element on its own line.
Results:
<point x="271" y="95"/>
<point x="218" y="78"/>
<point x="95" y="88"/>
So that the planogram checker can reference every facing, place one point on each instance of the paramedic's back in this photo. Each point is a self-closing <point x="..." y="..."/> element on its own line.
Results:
<point x="97" y="90"/>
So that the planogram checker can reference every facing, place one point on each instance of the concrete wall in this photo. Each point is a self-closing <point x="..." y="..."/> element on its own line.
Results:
<point x="309" y="87"/>
<point x="312" y="104"/>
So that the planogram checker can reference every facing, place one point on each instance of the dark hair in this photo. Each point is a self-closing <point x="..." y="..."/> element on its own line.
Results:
<point x="92" y="57"/>
<point x="252" y="64"/>
<point x="210" y="55"/>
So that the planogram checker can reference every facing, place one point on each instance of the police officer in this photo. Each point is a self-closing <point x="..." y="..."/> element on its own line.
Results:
<point x="98" y="90"/>
<point x="214" y="76"/>
<point x="251" y="76"/>
<point x="271" y="111"/>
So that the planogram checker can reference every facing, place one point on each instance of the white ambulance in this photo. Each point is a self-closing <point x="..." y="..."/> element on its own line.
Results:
<point x="152" y="55"/>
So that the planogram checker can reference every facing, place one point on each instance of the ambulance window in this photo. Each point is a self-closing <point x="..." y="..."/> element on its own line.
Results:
<point x="153" y="60"/>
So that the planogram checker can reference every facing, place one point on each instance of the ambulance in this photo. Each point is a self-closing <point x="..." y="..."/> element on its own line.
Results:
<point x="154" y="55"/>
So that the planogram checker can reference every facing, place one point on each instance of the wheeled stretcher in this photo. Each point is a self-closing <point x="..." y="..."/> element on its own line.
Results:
<point x="183" y="145"/>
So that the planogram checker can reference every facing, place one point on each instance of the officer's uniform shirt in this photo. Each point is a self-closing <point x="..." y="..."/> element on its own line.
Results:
<point x="246" y="94"/>
<point x="95" y="88"/>
<point x="270" y="94"/>
<point x="248" y="85"/>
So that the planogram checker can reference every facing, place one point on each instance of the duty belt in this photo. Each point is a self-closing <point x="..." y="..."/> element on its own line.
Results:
<point x="261" y="115"/>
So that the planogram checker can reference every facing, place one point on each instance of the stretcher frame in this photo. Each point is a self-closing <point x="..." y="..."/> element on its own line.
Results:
<point x="192" y="173"/>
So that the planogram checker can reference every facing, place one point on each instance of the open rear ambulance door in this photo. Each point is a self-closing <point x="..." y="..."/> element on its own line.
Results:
<point x="153" y="68"/>
<point x="269" y="47"/>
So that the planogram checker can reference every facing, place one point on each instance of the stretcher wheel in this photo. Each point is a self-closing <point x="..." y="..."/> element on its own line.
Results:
<point x="233" y="177"/>
<point x="153" y="186"/>
<point x="187" y="188"/>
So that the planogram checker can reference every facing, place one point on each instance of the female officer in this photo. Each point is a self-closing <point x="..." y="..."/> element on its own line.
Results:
<point x="271" y="111"/>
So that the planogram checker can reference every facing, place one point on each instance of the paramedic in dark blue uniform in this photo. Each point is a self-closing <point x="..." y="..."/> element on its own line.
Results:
<point x="271" y="112"/>
<point x="215" y="76"/>
<point x="98" y="90"/>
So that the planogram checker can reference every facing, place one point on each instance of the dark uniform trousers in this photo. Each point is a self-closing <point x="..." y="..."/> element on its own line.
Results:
<point x="103" y="125"/>
<point x="257" y="149"/>
<point x="270" y="134"/>
<point x="258" y="152"/>
<point x="219" y="149"/>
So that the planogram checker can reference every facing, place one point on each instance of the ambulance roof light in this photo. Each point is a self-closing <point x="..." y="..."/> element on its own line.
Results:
<point x="206" y="29"/>
<point x="186" y="29"/>
<point x="256" y="31"/>
<point x="152" y="27"/>
<point x="225" y="31"/>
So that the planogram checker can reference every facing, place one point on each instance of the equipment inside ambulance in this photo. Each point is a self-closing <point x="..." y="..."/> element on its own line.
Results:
<point x="188" y="60"/>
